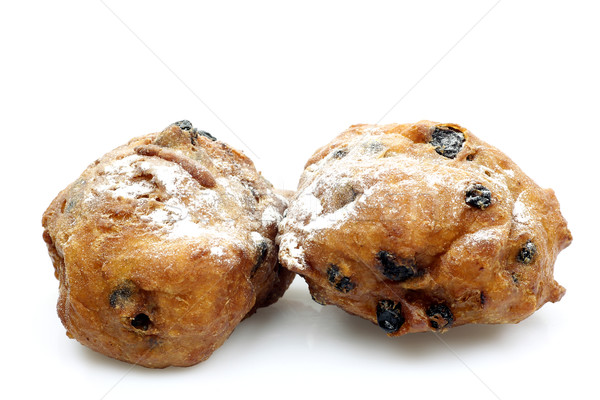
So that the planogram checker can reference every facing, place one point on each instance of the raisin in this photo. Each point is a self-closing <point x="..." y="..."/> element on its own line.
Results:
<point x="120" y="296"/>
<point x="262" y="251"/>
<point x="141" y="321"/>
<point x="440" y="316"/>
<point x="186" y="125"/>
<point x="345" y="285"/>
<point x="447" y="141"/>
<point x="338" y="280"/>
<point x="332" y="273"/>
<point x="389" y="316"/>
<point x="397" y="270"/>
<point x="341" y="153"/>
<point x="478" y="196"/>
<point x="527" y="253"/>
<point x="206" y="135"/>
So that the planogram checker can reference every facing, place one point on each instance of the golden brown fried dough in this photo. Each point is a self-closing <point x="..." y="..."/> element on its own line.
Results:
<point x="422" y="227"/>
<point x="163" y="246"/>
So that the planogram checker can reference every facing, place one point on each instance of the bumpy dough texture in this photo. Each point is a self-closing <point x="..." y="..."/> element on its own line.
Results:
<point x="422" y="227"/>
<point x="163" y="246"/>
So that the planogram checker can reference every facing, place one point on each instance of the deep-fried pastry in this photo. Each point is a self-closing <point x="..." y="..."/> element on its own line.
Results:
<point x="163" y="246"/>
<point x="422" y="227"/>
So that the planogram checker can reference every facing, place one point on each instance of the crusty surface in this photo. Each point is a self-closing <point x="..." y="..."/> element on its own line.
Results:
<point x="163" y="246"/>
<point x="381" y="226"/>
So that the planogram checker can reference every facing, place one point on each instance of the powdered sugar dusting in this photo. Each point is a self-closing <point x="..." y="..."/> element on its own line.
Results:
<point x="123" y="166"/>
<point x="217" y="251"/>
<point x="185" y="210"/>
<point x="521" y="213"/>
<point x="484" y="235"/>
<point x="308" y="204"/>
<point x="169" y="175"/>
<point x="113" y="179"/>
<point x="174" y="221"/>
<point x="257" y="238"/>
<point x="136" y="189"/>
<point x="329" y="220"/>
<point x="229" y="190"/>
<point x="292" y="253"/>
<point x="270" y="216"/>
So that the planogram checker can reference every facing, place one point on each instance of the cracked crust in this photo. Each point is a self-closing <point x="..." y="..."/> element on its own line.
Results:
<point x="163" y="246"/>
<point x="421" y="227"/>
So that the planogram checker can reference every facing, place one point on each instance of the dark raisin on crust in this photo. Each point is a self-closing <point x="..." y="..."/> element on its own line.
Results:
<point x="141" y="322"/>
<point x="186" y="125"/>
<point x="262" y="250"/>
<point x="527" y="253"/>
<point x="205" y="134"/>
<point x="119" y="296"/>
<point x="440" y="316"/>
<point x="332" y="273"/>
<point x="345" y="285"/>
<point x="389" y="316"/>
<point x="340" y="153"/>
<point x="395" y="269"/>
<point x="447" y="141"/>
<point x="478" y="196"/>
<point x="342" y="283"/>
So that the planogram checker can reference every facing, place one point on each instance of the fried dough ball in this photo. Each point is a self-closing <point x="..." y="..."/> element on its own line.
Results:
<point x="163" y="246"/>
<point x="422" y="227"/>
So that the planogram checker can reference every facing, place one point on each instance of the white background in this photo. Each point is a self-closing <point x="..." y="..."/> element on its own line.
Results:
<point x="282" y="79"/>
